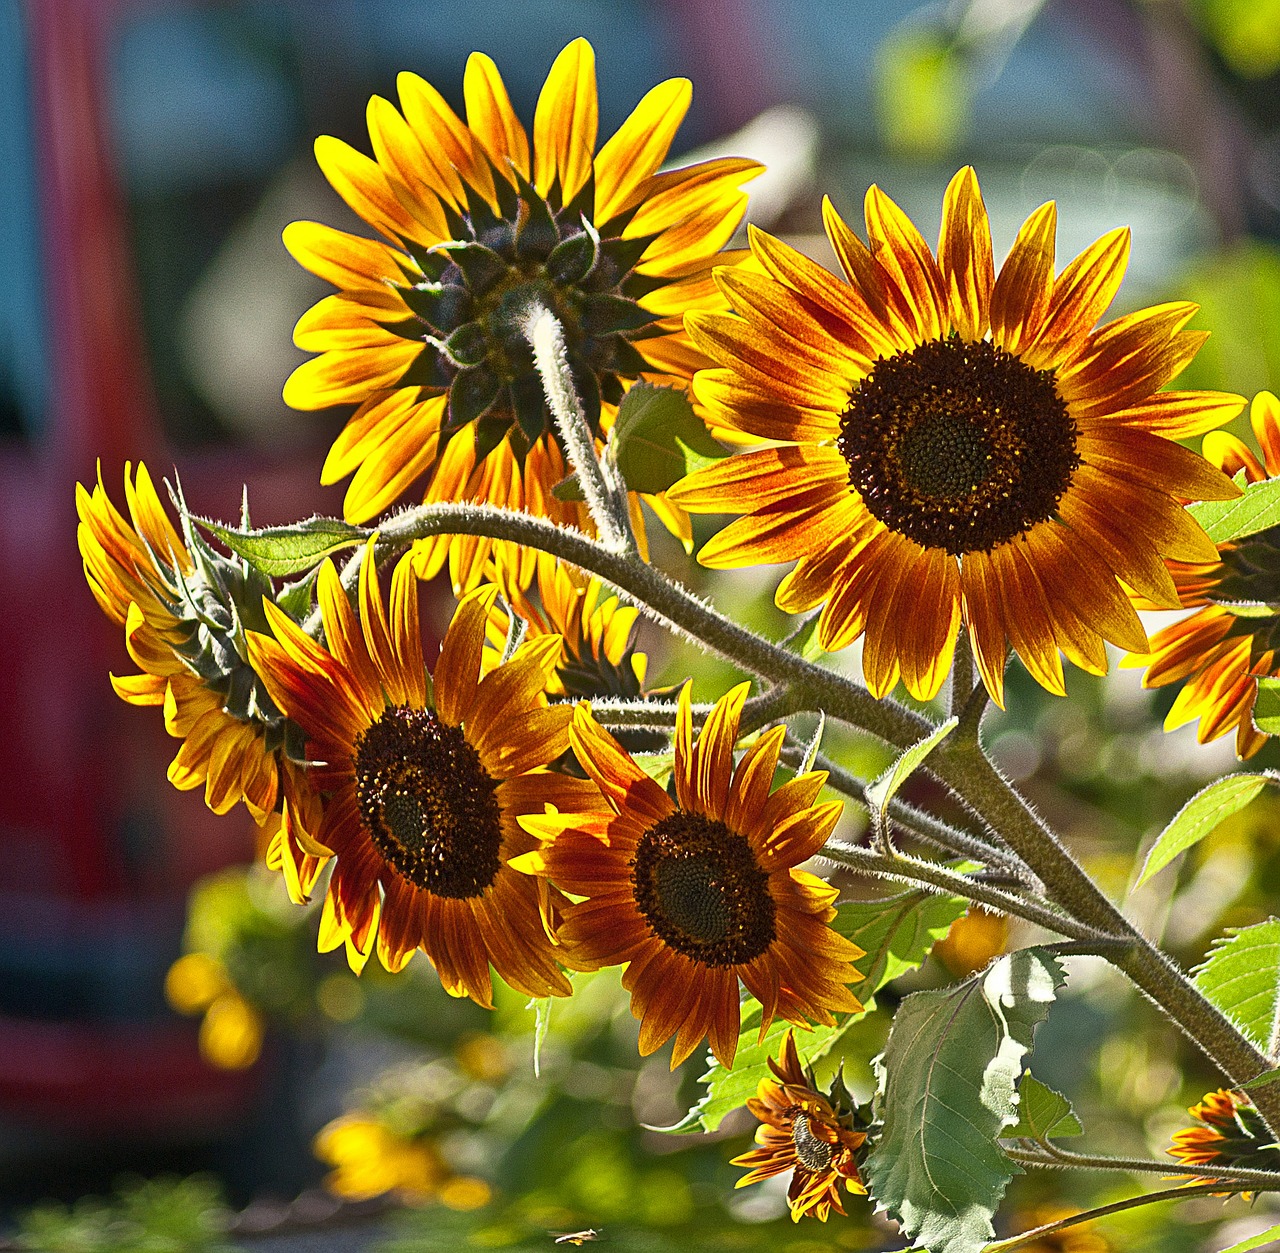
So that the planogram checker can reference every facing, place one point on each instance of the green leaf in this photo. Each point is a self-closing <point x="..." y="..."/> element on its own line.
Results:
<point x="883" y="790"/>
<point x="1241" y="976"/>
<point x="803" y="641"/>
<point x="541" y="1023"/>
<point x="1200" y="815"/>
<point x="897" y="934"/>
<point x="1256" y="510"/>
<point x="295" y="598"/>
<point x="949" y="1076"/>
<point x="569" y="488"/>
<point x="276" y="551"/>
<point x="1042" y="1113"/>
<point x="1266" y="707"/>
<point x="1260" y="1241"/>
<point x="658" y="439"/>
<point x="1264" y="1080"/>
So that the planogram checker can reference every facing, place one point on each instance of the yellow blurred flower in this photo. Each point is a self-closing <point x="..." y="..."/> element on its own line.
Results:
<point x="369" y="1159"/>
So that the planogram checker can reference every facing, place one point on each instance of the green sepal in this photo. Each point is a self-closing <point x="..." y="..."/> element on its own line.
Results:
<point x="481" y="267"/>
<point x="538" y="233"/>
<point x="572" y="259"/>
<point x="444" y="306"/>
<point x="468" y="345"/>
<point x="278" y="551"/>
<point x="607" y="314"/>
<point x="471" y="396"/>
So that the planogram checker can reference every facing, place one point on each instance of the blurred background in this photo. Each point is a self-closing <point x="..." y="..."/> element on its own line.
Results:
<point x="152" y="152"/>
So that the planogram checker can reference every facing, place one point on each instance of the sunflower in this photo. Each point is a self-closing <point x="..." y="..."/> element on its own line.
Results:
<point x="696" y="894"/>
<point x="597" y="656"/>
<point x="183" y="608"/>
<point x="1231" y="1133"/>
<point x="949" y="444"/>
<point x="423" y="782"/>
<point x="1221" y="651"/>
<point x="801" y="1131"/>
<point x="426" y="330"/>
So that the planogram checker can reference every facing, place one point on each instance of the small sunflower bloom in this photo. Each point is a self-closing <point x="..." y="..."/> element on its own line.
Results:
<point x="701" y="893"/>
<point x="597" y="657"/>
<point x="1231" y="1132"/>
<point x="801" y="1131"/>
<point x="947" y="444"/>
<point x="1219" y="652"/>
<point x="184" y="608"/>
<point x="371" y="1159"/>
<point x="423" y="780"/>
<point x="480" y="226"/>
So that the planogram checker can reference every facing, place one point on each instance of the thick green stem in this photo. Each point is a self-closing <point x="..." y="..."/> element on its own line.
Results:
<point x="959" y="762"/>
<point x="1085" y="1216"/>
<point x="942" y="880"/>
<point x="973" y="778"/>
<point x="1051" y="1156"/>
<point x="812" y="687"/>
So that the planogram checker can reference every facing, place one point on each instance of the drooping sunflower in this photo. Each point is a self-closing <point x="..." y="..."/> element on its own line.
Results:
<point x="597" y="656"/>
<point x="184" y="609"/>
<point x="426" y="331"/>
<point x="1231" y="1132"/>
<point x="946" y="443"/>
<point x="699" y="893"/>
<point x="423" y="781"/>
<point x="1221" y="651"/>
<point x="801" y="1131"/>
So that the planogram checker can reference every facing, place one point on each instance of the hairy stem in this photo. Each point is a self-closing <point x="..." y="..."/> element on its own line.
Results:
<point x="607" y="501"/>
<point x="1116" y="1207"/>
<point x="1050" y="1155"/>
<point x="958" y="762"/>
<point x="943" y="880"/>
<point x="812" y="686"/>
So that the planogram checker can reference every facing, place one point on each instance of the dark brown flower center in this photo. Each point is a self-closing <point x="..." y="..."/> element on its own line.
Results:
<point x="958" y="445"/>
<point x="812" y="1153"/>
<point x="429" y="805"/>
<point x="698" y="886"/>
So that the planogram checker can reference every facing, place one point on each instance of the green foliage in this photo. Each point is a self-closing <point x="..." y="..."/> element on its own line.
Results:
<point x="1238" y="291"/>
<point x="883" y="790"/>
<point x="922" y="89"/>
<point x="1042" y="1113"/>
<point x="1241" y="976"/>
<point x="949" y="1077"/>
<point x="1266" y="707"/>
<point x="896" y="934"/>
<point x="277" y="551"/>
<point x="1261" y="1241"/>
<point x="1256" y="510"/>
<point x="658" y="439"/>
<point x="151" y="1216"/>
<point x="1200" y="815"/>
<point x="1245" y="32"/>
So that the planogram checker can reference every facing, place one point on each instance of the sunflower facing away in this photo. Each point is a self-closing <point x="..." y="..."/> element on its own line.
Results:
<point x="423" y="782"/>
<point x="183" y="608"/>
<point x="946" y="443"/>
<point x="597" y="656"/>
<point x="1221" y="651"/>
<point x="801" y="1131"/>
<point x="696" y="894"/>
<point x="1230" y="1133"/>
<point x="425" y="332"/>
